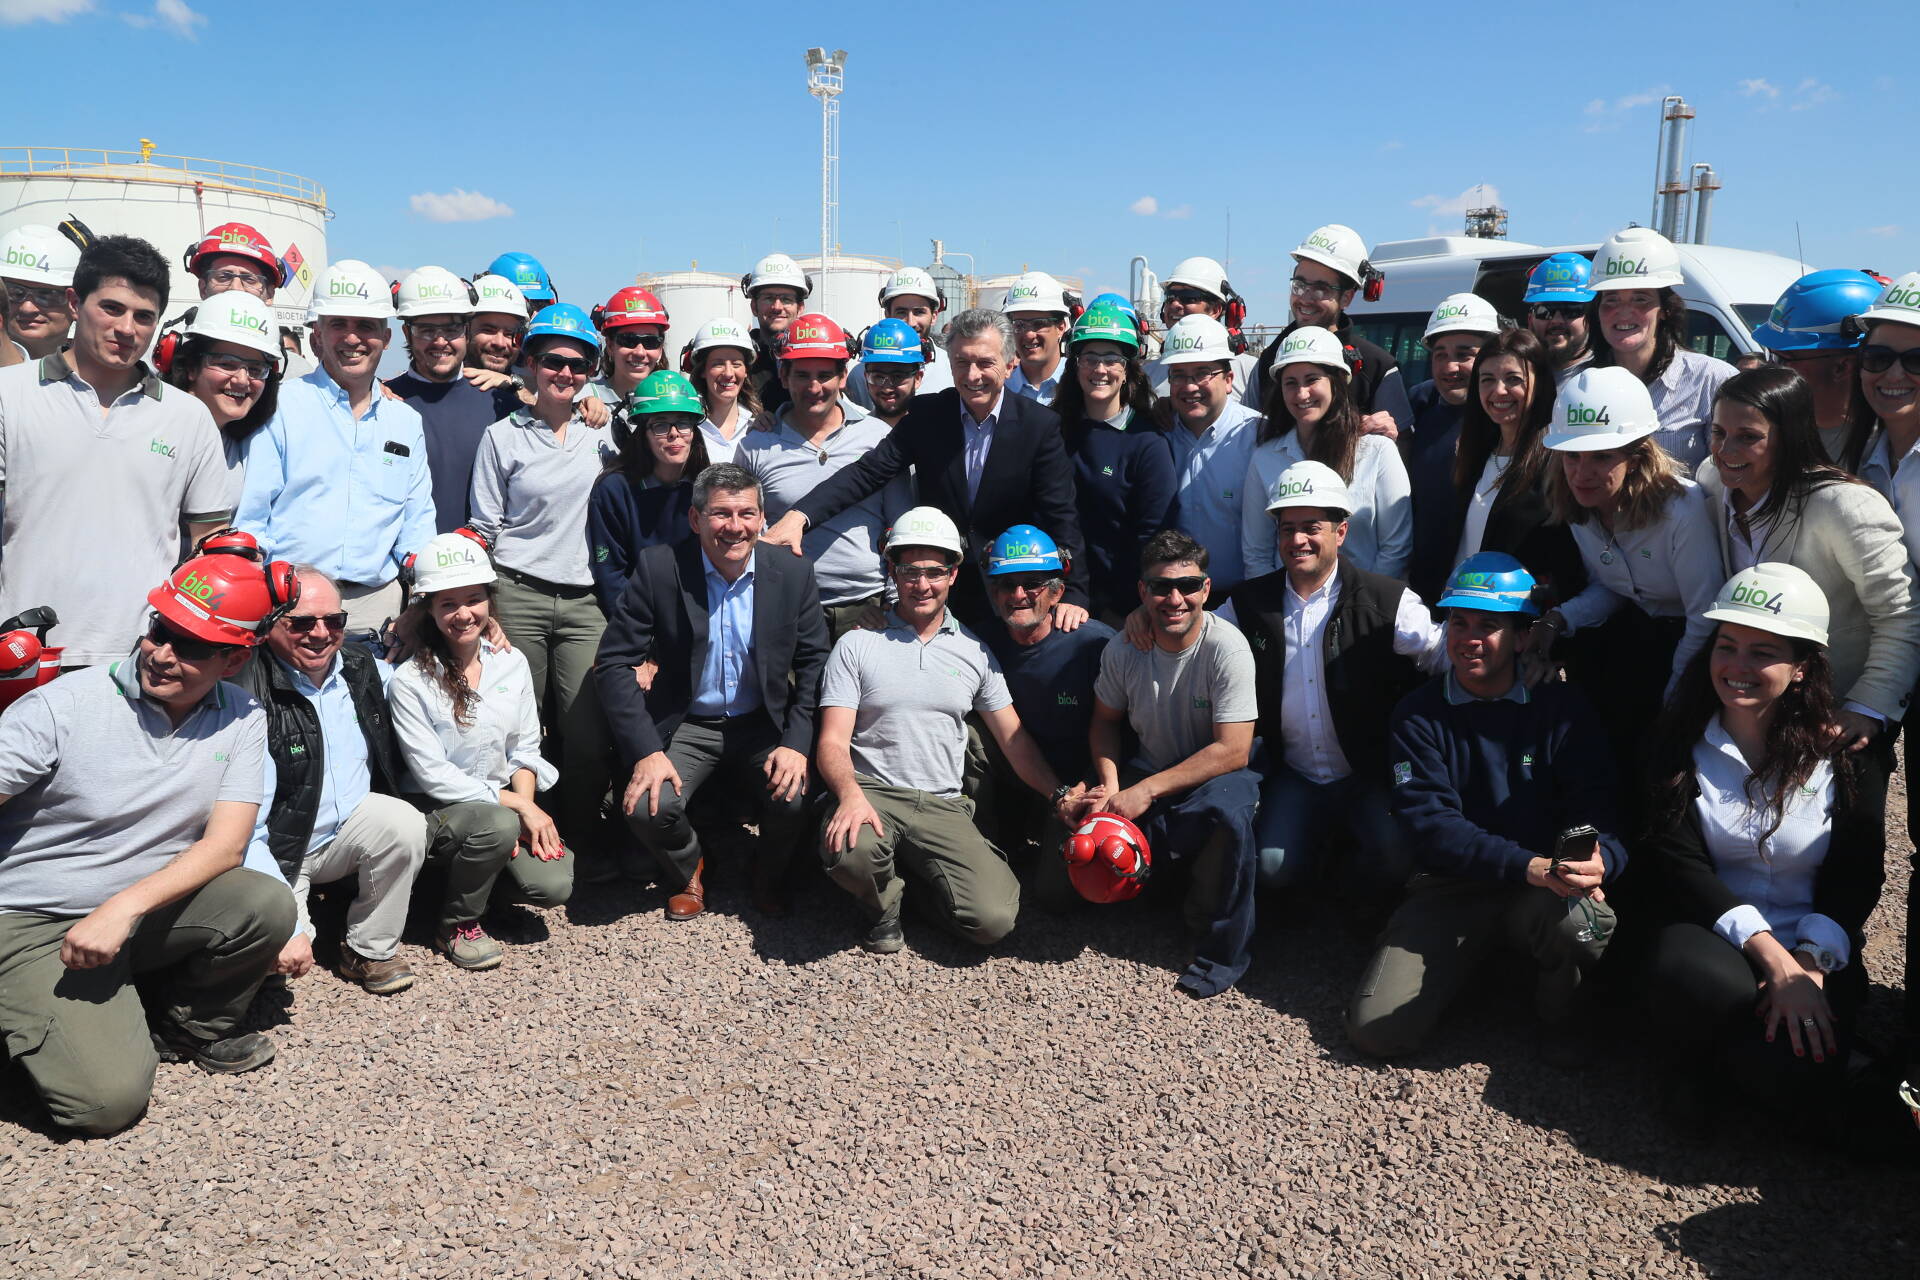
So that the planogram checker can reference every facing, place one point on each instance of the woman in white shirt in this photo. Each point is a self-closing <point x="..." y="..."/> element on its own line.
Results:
<point x="464" y="713"/>
<point x="719" y="358"/>
<point x="1764" y="862"/>
<point x="1311" y="417"/>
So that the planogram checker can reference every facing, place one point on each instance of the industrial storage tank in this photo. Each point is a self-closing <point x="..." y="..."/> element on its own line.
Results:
<point x="992" y="290"/>
<point x="851" y="292"/>
<point x="956" y="295"/>
<point x="171" y="201"/>
<point x="692" y="298"/>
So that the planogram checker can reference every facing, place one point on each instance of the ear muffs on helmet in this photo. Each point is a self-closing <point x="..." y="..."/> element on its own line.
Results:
<point x="1076" y="305"/>
<point x="1373" y="282"/>
<point x="1234" y="316"/>
<point x="78" y="233"/>
<point x="227" y="541"/>
<point x="283" y="593"/>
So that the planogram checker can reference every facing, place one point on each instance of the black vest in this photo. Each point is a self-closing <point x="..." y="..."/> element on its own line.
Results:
<point x="299" y="751"/>
<point x="1365" y="678"/>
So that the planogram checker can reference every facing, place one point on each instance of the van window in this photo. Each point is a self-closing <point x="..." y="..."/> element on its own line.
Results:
<point x="1504" y="284"/>
<point x="1399" y="332"/>
<point x="1708" y="336"/>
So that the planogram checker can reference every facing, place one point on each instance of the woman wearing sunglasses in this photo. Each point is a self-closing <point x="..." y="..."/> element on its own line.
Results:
<point x="1763" y="862"/>
<point x="228" y="357"/>
<point x="531" y="481"/>
<point x="464" y="714"/>
<point x="634" y="327"/>
<point x="642" y="497"/>
<point x="718" y="363"/>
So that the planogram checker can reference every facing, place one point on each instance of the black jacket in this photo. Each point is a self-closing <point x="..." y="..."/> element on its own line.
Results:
<point x="763" y="375"/>
<point x="1520" y="524"/>
<point x="299" y="750"/>
<point x="662" y="615"/>
<point x="1365" y="678"/>
<point x="1027" y="479"/>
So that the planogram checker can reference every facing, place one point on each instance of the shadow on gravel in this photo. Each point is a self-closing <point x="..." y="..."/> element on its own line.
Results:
<point x="1813" y="1222"/>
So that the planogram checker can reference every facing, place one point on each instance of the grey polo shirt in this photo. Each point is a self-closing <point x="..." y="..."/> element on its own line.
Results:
<point x="530" y="494"/>
<point x="95" y="501"/>
<point x="1173" y="700"/>
<point x="105" y="791"/>
<point x="911" y="699"/>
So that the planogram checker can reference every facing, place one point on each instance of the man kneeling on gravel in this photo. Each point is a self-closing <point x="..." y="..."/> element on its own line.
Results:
<point x="893" y="741"/>
<point x="128" y="793"/>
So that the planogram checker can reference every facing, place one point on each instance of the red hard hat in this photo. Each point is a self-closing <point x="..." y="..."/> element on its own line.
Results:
<point x="240" y="240"/>
<point x="632" y="305"/>
<point x="1108" y="859"/>
<point x="815" y="337"/>
<point x="19" y="666"/>
<point x="225" y="598"/>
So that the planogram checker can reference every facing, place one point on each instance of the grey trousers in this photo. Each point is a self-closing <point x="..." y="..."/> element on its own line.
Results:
<point x="737" y="749"/>
<point x="475" y="842"/>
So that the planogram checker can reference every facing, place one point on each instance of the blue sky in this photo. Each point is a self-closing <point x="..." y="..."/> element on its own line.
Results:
<point x="1068" y="138"/>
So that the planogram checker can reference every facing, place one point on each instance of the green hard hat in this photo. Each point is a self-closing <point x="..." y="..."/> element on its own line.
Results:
<point x="1105" y="322"/>
<point x="665" y="391"/>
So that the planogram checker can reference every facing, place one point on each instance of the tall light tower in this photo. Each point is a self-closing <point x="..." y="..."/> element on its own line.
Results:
<point x="826" y="76"/>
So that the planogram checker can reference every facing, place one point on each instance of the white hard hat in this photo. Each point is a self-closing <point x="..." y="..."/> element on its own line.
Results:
<point x="1636" y="258"/>
<point x="499" y="294"/>
<point x="1900" y="304"/>
<point x="925" y="527"/>
<point x="1309" y="344"/>
<point x="1196" y="339"/>
<point x="433" y="291"/>
<point x="1605" y="408"/>
<point x="1035" y="291"/>
<point x="1204" y="274"/>
<point x="1310" y="484"/>
<point x="777" y="269"/>
<point x="914" y="281"/>
<point x="1338" y="246"/>
<point x="451" y="560"/>
<point x="1780" y="598"/>
<point x="350" y="287"/>
<point x="237" y="316"/>
<point x="38" y="255"/>
<point x="1462" y="313"/>
<point x="722" y="331"/>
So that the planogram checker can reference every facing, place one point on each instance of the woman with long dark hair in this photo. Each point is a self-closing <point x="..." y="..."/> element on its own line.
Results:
<point x="1763" y="859"/>
<point x="1311" y="416"/>
<point x="718" y="361"/>
<point x="464" y="714"/>
<point x="643" y="495"/>
<point x="228" y="357"/>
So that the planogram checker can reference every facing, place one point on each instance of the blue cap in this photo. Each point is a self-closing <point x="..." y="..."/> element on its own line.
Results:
<point x="1492" y="582"/>
<point x="562" y="320"/>
<point x="1023" y="549"/>
<point x="526" y="273"/>
<point x="891" y="342"/>
<point x="1560" y="278"/>
<point x="1812" y="314"/>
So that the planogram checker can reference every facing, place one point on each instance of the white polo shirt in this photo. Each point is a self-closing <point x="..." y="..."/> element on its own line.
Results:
<point x="95" y="501"/>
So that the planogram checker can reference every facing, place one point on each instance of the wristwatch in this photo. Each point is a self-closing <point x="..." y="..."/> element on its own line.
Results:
<point x="1823" y="959"/>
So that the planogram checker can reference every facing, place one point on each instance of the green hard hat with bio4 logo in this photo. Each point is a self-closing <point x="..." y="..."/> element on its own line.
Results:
<point x="665" y="391"/>
<point x="1104" y="322"/>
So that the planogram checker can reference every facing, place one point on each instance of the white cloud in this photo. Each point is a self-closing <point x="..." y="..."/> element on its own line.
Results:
<point x="1811" y="93"/>
<point x="1184" y="211"/>
<point x="174" y="15"/>
<point x="1758" y="88"/>
<point x="1885" y="232"/>
<point x="14" y="13"/>
<point x="1145" y="206"/>
<point x="1604" y="116"/>
<point x="1474" y="197"/>
<point x="458" y="205"/>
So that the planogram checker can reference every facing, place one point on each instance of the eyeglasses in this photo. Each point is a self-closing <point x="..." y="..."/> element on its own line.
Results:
<point x="628" y="341"/>
<point x="229" y="278"/>
<point x="1032" y="584"/>
<point x="1035" y="326"/>
<point x="571" y="364"/>
<point x="1187" y="297"/>
<point x="301" y="623"/>
<point x="658" y="427"/>
<point x="45" y="297"/>
<point x="898" y="375"/>
<point x="1192" y="376"/>
<point x="921" y="573"/>
<point x="191" y="648"/>
<point x="1315" y="289"/>
<point x="1879" y="359"/>
<point x="1186" y="586"/>
<point x="435" y="332"/>
<point x="1556" y="311"/>
<point x="256" y="370"/>
<point x="1098" y="359"/>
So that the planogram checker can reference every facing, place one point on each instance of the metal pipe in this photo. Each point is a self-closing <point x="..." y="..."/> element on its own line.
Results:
<point x="1140" y="282"/>
<point x="1673" y="183"/>
<point x="1705" y="183"/>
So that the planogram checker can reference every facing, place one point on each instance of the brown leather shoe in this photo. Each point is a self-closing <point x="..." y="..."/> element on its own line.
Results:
<point x="377" y="977"/>
<point x="690" y="901"/>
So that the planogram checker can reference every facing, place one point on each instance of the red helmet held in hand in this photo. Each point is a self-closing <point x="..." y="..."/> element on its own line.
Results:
<point x="1108" y="859"/>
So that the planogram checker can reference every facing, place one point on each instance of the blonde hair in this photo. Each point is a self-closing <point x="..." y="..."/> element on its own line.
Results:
<point x="1652" y="481"/>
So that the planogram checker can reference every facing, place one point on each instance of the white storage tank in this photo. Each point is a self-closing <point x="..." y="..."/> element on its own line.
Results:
<point x="692" y="298"/>
<point x="851" y="293"/>
<point x="992" y="290"/>
<point x="171" y="201"/>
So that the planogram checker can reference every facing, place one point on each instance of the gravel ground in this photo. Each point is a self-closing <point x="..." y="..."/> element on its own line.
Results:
<point x="734" y="1098"/>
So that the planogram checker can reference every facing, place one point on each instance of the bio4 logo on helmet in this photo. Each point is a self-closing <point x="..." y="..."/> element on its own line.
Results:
<point x="1024" y="293"/>
<point x="1556" y="273"/>
<point x="1292" y="345"/>
<point x="886" y="341"/>
<point x="489" y="292"/>
<point x="453" y="559"/>
<point x="1294" y="489"/>
<point x="238" y="319"/>
<point x="1178" y="342"/>
<point x="231" y="236"/>
<point x="431" y="289"/>
<point x="809" y="333"/>
<point x="1320" y="240"/>
<point x="1585" y="415"/>
<point x="1756" y="597"/>
<point x="1451" y="311"/>
<point x="20" y="256"/>
<point x="1617" y="267"/>
<point x="341" y="287"/>
<point x="1898" y="297"/>
<point x="199" y="589"/>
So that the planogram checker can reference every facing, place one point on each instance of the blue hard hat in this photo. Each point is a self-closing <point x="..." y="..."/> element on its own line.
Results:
<point x="1492" y="582"/>
<point x="526" y="273"/>
<point x="1023" y="549"/>
<point x="1114" y="300"/>
<point x="1811" y="315"/>
<point x="1560" y="278"/>
<point x="562" y="320"/>
<point x="891" y="342"/>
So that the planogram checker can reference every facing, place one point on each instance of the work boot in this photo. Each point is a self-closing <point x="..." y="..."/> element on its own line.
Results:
<point x="885" y="937"/>
<point x="468" y="946"/>
<point x="376" y="977"/>
<point x="216" y="1057"/>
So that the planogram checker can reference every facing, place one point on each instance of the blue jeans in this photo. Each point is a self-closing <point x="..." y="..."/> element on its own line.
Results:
<point x="1296" y="817"/>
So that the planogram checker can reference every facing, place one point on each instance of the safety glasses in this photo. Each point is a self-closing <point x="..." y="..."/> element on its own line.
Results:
<point x="256" y="370"/>
<point x="647" y="341"/>
<point x="231" y="278"/>
<point x="186" y="647"/>
<point x="896" y="376"/>
<point x="1186" y="586"/>
<point x="912" y="573"/>
<point x="45" y="297"/>
<point x="1879" y="359"/>
<point x="301" y="623"/>
<point x="571" y="364"/>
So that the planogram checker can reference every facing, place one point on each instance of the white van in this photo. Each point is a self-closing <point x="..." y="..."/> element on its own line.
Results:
<point x="1727" y="291"/>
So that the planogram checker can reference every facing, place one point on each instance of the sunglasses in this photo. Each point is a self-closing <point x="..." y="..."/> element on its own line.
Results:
<point x="1557" y="311"/>
<point x="659" y="428"/>
<point x="1186" y="297"/>
<point x="1033" y="585"/>
<point x="1878" y="359"/>
<point x="628" y="341"/>
<point x="301" y="623"/>
<point x="190" y="648"/>
<point x="572" y="364"/>
<point x="1167" y="586"/>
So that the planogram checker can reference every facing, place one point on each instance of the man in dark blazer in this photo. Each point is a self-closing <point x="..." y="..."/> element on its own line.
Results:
<point x="988" y="459"/>
<point x="740" y="641"/>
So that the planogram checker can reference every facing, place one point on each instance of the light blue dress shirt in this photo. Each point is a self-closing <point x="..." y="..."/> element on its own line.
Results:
<point x="979" y="442"/>
<point x="351" y="497"/>
<point x="1042" y="391"/>
<point x="729" y="683"/>
<point x="344" y="776"/>
<point x="1210" y="470"/>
